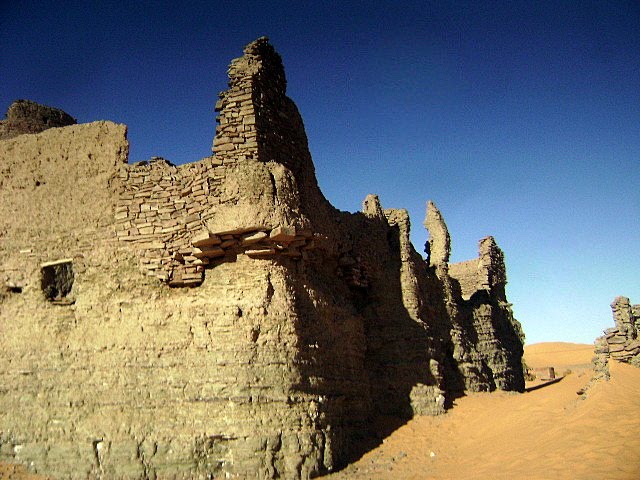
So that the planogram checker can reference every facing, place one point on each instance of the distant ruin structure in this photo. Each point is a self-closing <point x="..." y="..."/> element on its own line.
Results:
<point x="25" y="116"/>
<point x="622" y="342"/>
<point x="222" y="317"/>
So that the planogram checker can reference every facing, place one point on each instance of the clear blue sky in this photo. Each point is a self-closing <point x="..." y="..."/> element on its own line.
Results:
<point x="519" y="119"/>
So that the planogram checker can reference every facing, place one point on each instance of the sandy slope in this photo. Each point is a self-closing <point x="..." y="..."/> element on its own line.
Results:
<point x="559" y="354"/>
<point x="549" y="432"/>
<point x="546" y="433"/>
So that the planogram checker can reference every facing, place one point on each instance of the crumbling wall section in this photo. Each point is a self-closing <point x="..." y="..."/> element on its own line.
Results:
<point x="57" y="197"/>
<point x="498" y="335"/>
<point x="159" y="208"/>
<point x="485" y="348"/>
<point x="622" y="342"/>
<point x="418" y="370"/>
<point x="482" y="273"/>
<point x="257" y="120"/>
<point x="236" y="138"/>
<point x="245" y="198"/>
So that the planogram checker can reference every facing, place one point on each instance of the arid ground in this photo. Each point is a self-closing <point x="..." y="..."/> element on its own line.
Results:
<point x="549" y="432"/>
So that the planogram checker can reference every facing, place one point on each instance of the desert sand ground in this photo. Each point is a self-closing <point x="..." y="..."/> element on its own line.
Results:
<point x="549" y="432"/>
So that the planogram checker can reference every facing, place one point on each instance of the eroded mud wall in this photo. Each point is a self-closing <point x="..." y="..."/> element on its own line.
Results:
<point x="223" y="317"/>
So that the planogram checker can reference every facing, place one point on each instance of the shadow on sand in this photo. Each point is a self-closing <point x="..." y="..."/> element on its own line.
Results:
<point x="538" y="387"/>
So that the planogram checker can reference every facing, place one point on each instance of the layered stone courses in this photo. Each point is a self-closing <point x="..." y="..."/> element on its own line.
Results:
<point x="307" y="323"/>
<point x="622" y="342"/>
<point x="164" y="210"/>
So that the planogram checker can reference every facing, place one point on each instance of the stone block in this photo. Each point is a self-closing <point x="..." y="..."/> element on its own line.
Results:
<point x="283" y="234"/>
<point x="232" y="242"/>
<point x="252" y="238"/>
<point x="211" y="252"/>
<point x="262" y="252"/>
<point x="224" y="147"/>
<point x="616" y="339"/>
<point x="616" y="347"/>
<point x="238" y="231"/>
<point x="152" y="245"/>
<point x="205" y="239"/>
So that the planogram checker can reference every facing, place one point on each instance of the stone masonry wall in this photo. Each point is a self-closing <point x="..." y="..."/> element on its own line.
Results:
<point x="169" y="213"/>
<point x="177" y="215"/>
<point x="622" y="342"/>
<point x="303" y="324"/>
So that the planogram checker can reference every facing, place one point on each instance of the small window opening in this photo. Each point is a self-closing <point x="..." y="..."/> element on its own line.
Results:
<point x="57" y="281"/>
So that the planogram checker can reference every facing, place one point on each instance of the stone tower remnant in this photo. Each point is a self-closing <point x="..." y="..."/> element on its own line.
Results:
<point x="25" y="116"/>
<point x="301" y="325"/>
<point x="622" y="342"/>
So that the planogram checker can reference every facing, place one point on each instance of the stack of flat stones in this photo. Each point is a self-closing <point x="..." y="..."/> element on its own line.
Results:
<point x="236" y="137"/>
<point x="257" y="242"/>
<point x="161" y="206"/>
<point x="621" y="342"/>
<point x="164" y="211"/>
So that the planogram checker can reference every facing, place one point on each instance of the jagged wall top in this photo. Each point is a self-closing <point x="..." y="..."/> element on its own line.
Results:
<point x="260" y="62"/>
<point x="251" y="76"/>
<point x="485" y="273"/>
<point x="256" y="120"/>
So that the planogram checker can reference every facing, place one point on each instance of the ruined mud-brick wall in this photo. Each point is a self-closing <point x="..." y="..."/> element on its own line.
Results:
<point x="485" y="315"/>
<point x="25" y="116"/>
<point x="302" y="325"/>
<point x="482" y="273"/>
<point x="622" y="342"/>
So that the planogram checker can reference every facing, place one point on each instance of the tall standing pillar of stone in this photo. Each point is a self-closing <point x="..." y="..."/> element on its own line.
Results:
<point x="438" y="246"/>
<point x="256" y="119"/>
<point x="236" y="137"/>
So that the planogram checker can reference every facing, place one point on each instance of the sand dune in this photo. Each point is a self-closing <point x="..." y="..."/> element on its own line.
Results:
<point x="559" y="354"/>
<point x="547" y="433"/>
